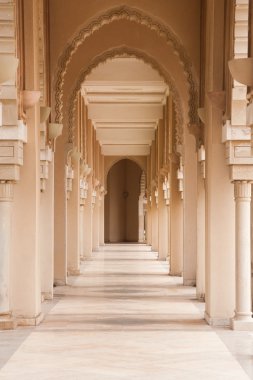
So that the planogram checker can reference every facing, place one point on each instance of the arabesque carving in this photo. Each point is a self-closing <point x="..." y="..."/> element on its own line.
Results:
<point x="135" y="15"/>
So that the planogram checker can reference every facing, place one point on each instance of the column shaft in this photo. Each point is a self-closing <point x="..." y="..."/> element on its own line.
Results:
<point x="243" y="254"/>
<point x="6" y="196"/>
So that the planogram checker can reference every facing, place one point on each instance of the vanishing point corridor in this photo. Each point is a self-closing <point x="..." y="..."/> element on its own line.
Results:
<point x="125" y="318"/>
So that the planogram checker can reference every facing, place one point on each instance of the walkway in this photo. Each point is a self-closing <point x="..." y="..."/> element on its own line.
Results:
<point x="125" y="318"/>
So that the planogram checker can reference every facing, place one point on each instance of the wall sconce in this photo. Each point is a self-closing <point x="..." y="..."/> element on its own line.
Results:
<point x="201" y="160"/>
<point x="202" y="114"/>
<point x="241" y="70"/>
<point x="44" y="113"/>
<point x="75" y="154"/>
<point x="8" y="67"/>
<point x="54" y="131"/>
<point x="180" y="177"/>
<point x="156" y="197"/>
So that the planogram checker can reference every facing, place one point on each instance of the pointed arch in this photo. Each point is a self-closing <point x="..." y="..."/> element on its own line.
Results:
<point x="142" y="18"/>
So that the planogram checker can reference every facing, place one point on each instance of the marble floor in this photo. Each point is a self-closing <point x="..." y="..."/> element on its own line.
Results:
<point x="125" y="318"/>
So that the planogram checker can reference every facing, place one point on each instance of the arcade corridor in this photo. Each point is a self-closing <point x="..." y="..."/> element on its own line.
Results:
<point x="125" y="318"/>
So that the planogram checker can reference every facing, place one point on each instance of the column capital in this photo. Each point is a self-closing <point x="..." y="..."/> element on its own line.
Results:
<point x="6" y="191"/>
<point x="242" y="189"/>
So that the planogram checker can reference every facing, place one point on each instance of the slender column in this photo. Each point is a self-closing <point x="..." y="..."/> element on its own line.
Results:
<point x="243" y="314"/>
<point x="190" y="210"/>
<point x="47" y="236"/>
<point x="87" y="240"/>
<point x="163" y="229"/>
<point x="200" y="275"/>
<point x="154" y="215"/>
<point x="95" y="229"/>
<point x="6" y="198"/>
<point x="73" y="213"/>
<point x="176" y="226"/>
<point x="101" y="222"/>
<point x="81" y="234"/>
<point x="141" y="219"/>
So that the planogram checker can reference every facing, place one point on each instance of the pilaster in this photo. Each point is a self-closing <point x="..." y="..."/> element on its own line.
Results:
<point x="6" y="199"/>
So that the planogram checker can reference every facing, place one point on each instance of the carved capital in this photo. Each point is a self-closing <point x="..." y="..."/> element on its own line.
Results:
<point x="6" y="191"/>
<point x="242" y="190"/>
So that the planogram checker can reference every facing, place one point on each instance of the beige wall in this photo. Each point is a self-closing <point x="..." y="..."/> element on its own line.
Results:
<point x="121" y="202"/>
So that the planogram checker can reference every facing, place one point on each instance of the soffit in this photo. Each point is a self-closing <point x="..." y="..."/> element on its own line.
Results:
<point x="125" y="99"/>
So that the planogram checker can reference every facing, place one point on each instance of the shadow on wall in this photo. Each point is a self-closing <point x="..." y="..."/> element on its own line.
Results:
<point x="121" y="202"/>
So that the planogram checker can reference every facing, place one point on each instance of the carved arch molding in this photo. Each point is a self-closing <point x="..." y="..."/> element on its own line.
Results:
<point x="124" y="51"/>
<point x="131" y="14"/>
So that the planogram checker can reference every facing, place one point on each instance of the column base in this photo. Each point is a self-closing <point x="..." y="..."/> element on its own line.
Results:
<point x="7" y="322"/>
<point x="217" y="322"/>
<point x="73" y="272"/>
<point x="242" y="324"/>
<point x="201" y="297"/>
<point x="48" y="296"/>
<point x="34" y="321"/>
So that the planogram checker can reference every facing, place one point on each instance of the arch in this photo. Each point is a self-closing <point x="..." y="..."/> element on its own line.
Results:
<point x="117" y="159"/>
<point x="124" y="51"/>
<point x="142" y="18"/>
<point x="122" y="202"/>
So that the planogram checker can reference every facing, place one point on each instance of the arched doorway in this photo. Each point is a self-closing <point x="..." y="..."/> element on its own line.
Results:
<point x="121" y="202"/>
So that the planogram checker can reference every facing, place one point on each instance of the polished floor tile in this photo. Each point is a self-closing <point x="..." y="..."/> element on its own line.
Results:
<point x="125" y="318"/>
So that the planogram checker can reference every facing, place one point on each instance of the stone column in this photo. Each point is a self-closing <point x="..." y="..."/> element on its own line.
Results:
<point x="243" y="314"/>
<point x="163" y="228"/>
<point x="95" y="228"/>
<point x="176" y="225"/>
<point x="141" y="219"/>
<point x="6" y="198"/>
<point x="190" y="211"/>
<point x="87" y="220"/>
<point x="101" y="221"/>
<point x="154" y="231"/>
<point x="81" y="234"/>
<point x="200" y="275"/>
<point x="47" y="236"/>
<point x="73" y="226"/>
